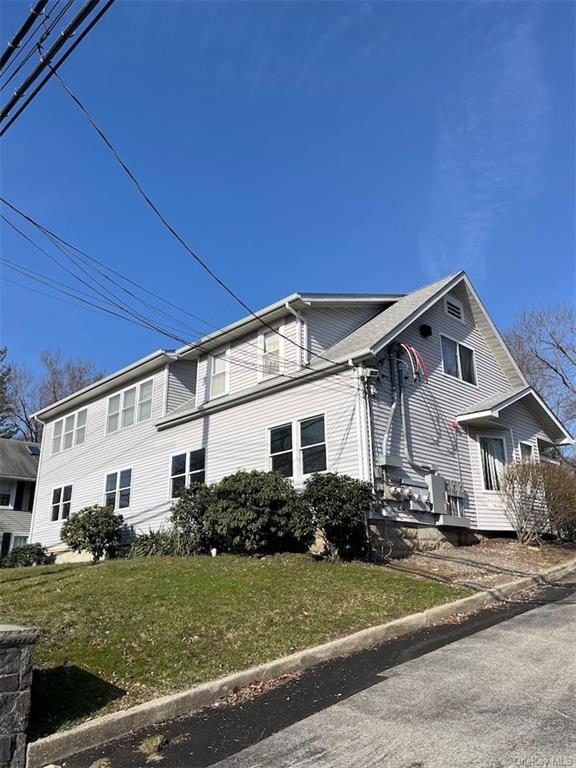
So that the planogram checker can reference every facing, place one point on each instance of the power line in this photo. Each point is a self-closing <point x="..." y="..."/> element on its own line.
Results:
<point x="45" y="60"/>
<point x="171" y="229"/>
<point x="22" y="32"/>
<point x="44" y="36"/>
<point x="57" y="240"/>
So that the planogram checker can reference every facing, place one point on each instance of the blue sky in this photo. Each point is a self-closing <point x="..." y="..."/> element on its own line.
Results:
<point x="347" y="146"/>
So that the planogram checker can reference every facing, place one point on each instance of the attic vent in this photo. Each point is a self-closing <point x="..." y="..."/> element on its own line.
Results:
<point x="454" y="309"/>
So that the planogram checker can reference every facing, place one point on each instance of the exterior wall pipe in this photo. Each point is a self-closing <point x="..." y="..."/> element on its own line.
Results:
<point x="300" y="329"/>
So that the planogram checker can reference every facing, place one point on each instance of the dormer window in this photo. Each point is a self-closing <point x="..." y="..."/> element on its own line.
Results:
<point x="454" y="308"/>
<point x="219" y="375"/>
<point x="271" y="347"/>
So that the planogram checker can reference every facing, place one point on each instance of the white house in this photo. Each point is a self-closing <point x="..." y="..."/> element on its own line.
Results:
<point x="416" y="393"/>
<point x="18" y="470"/>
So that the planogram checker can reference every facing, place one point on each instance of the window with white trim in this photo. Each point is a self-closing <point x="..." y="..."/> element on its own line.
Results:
<point x="219" y="367"/>
<point x="458" y="360"/>
<point x="187" y="469"/>
<point x="526" y="452"/>
<point x="69" y="431"/>
<point x="454" y="308"/>
<point x="117" y="489"/>
<point x="18" y="541"/>
<point x="270" y="353"/>
<point x="281" y="457"/>
<point x="313" y="445"/>
<point x="493" y="456"/>
<point x="5" y="494"/>
<point x="61" y="502"/>
<point x="130" y="406"/>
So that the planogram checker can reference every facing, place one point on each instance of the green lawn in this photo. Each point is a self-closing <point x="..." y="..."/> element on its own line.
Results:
<point x="124" y="631"/>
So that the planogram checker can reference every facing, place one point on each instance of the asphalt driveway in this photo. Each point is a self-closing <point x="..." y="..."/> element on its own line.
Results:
<point x="505" y="696"/>
<point x="496" y="689"/>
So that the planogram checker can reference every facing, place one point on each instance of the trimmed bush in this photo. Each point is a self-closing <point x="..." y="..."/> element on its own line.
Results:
<point x="96" y="529"/>
<point x="257" y="513"/>
<point x="339" y="506"/>
<point x="23" y="557"/>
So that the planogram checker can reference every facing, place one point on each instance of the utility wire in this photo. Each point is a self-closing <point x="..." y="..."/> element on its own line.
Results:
<point x="66" y="34"/>
<point x="57" y="241"/>
<point x="13" y="45"/>
<point x="44" y="36"/>
<point x="170" y="228"/>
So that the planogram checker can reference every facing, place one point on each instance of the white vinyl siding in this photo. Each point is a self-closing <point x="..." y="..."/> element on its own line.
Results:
<point x="235" y="438"/>
<point x="181" y="383"/>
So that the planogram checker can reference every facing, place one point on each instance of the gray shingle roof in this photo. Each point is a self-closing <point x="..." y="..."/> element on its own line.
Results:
<point x="364" y="338"/>
<point x="493" y="402"/>
<point x="16" y="460"/>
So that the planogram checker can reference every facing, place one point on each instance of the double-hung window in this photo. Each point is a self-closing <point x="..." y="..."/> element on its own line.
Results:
<point x="458" y="360"/>
<point x="493" y="457"/>
<point x="187" y="469"/>
<point x="270" y="353"/>
<point x="298" y="449"/>
<point x="313" y="445"/>
<point x="526" y="452"/>
<point x="130" y="406"/>
<point x="281" y="459"/>
<point x="219" y="376"/>
<point x="118" y="488"/>
<point x="69" y="431"/>
<point x="61" y="501"/>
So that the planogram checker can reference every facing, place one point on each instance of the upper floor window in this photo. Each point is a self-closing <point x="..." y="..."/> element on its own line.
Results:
<point x="454" y="308"/>
<point x="118" y="488"/>
<point x="130" y="406"/>
<point x="5" y="494"/>
<point x="270" y="353"/>
<point x="61" y="501"/>
<point x="458" y="360"/>
<point x="186" y="469"/>
<point x="69" y="431"/>
<point x="219" y="375"/>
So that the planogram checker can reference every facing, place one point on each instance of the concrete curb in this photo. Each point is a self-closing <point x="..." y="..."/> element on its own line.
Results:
<point x="95" y="732"/>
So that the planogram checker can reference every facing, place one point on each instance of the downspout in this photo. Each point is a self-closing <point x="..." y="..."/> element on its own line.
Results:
<point x="365" y="435"/>
<point x="300" y="326"/>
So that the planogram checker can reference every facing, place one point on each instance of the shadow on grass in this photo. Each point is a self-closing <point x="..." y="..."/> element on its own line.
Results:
<point x="63" y="694"/>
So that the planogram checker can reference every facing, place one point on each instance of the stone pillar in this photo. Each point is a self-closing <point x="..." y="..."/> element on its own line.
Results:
<point x="16" y="665"/>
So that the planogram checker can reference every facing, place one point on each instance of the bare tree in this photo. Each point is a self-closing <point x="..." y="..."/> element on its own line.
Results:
<point x="27" y="393"/>
<point x="543" y="341"/>
<point x="523" y="497"/>
<point x="7" y="427"/>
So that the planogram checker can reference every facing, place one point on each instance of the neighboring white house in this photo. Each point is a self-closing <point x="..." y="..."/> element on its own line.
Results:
<point x="417" y="394"/>
<point x="18" y="470"/>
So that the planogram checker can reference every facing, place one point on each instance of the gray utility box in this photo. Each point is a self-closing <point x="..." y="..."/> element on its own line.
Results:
<point x="437" y="487"/>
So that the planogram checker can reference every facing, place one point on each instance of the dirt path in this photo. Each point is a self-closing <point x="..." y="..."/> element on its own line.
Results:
<point x="492" y="562"/>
